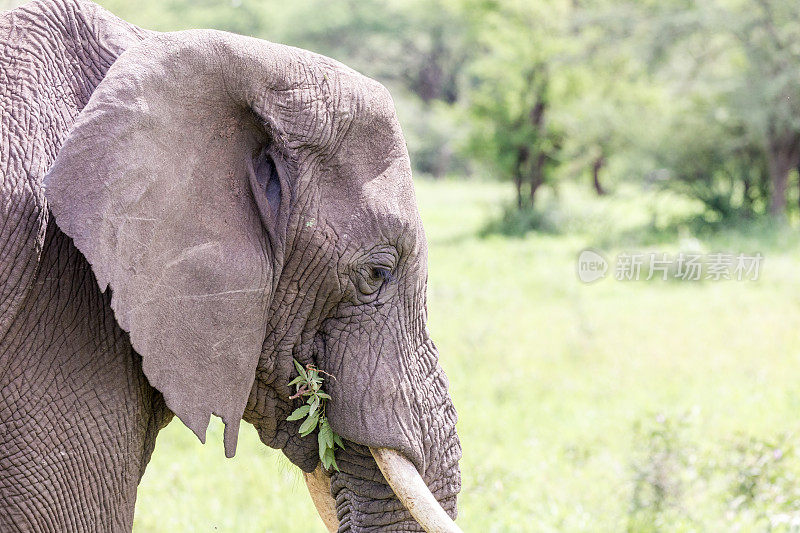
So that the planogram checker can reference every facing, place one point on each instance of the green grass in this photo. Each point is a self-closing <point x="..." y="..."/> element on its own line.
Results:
<point x="640" y="406"/>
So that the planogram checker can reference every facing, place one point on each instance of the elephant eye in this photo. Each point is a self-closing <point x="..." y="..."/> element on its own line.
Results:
<point x="371" y="279"/>
<point x="381" y="274"/>
<point x="373" y="272"/>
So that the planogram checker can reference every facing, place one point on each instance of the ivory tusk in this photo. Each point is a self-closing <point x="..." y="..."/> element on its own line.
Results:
<point x="319" y="486"/>
<point x="410" y="489"/>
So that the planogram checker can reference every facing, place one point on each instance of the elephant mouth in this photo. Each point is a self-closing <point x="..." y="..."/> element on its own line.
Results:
<point x="347" y="502"/>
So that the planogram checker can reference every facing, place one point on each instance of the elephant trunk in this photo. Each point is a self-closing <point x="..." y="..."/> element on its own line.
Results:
<point x="384" y="487"/>
<point x="406" y="483"/>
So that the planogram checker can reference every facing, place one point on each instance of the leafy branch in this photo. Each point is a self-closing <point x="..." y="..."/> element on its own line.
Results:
<point x="309" y="386"/>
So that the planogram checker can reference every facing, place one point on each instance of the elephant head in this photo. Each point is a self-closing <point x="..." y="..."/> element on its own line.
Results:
<point x="249" y="204"/>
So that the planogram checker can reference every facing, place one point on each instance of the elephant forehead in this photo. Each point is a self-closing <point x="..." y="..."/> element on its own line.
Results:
<point x="333" y="109"/>
<point x="371" y="163"/>
<point x="365" y="179"/>
<point x="373" y="196"/>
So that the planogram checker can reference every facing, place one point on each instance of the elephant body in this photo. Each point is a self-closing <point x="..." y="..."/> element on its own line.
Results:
<point x="112" y="315"/>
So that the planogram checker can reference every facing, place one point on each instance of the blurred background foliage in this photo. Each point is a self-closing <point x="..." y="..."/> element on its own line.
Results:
<point x="697" y="97"/>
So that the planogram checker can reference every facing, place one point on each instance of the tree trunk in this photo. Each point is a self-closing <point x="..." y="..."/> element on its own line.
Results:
<point x="779" y="176"/>
<point x="598" y="164"/>
<point x="534" y="187"/>
<point x="523" y="154"/>
<point x="798" y="185"/>
<point x="783" y="155"/>
<point x="747" y="200"/>
<point x="537" y="176"/>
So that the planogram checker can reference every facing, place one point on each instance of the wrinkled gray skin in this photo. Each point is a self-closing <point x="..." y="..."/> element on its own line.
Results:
<point x="236" y="201"/>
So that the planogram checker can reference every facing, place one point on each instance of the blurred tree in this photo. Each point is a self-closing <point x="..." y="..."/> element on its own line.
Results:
<point x="768" y="94"/>
<point x="606" y="97"/>
<point x="717" y="162"/>
<point x="513" y="83"/>
<point x="735" y="62"/>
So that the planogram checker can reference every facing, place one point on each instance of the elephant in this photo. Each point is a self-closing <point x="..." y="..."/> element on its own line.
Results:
<point x="183" y="215"/>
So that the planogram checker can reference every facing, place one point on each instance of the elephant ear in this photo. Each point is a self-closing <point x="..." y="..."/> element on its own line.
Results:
<point x="153" y="184"/>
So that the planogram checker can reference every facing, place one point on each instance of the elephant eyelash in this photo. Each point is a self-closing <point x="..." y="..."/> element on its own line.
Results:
<point x="383" y="274"/>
